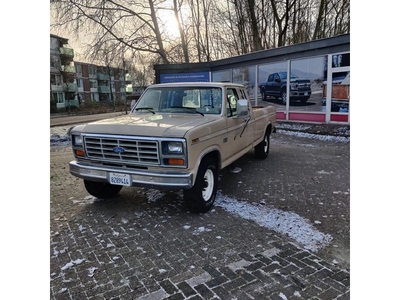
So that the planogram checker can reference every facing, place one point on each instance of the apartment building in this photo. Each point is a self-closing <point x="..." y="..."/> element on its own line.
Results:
<point x="72" y="83"/>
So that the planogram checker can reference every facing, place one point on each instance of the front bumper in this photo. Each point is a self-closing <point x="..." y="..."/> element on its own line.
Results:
<point x="138" y="178"/>
<point x="300" y="94"/>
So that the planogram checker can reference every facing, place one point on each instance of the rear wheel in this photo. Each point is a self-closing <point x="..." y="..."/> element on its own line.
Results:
<point x="262" y="149"/>
<point x="200" y="198"/>
<point x="102" y="190"/>
<point x="304" y="100"/>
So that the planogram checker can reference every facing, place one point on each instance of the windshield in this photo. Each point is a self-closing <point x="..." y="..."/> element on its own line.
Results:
<point x="202" y="100"/>
<point x="283" y="75"/>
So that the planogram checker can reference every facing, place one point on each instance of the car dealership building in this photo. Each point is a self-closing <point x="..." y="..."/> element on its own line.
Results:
<point x="322" y="66"/>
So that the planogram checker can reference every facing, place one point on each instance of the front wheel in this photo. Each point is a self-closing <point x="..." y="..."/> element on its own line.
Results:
<point x="102" y="190"/>
<point x="262" y="149"/>
<point x="200" y="198"/>
<point x="284" y="97"/>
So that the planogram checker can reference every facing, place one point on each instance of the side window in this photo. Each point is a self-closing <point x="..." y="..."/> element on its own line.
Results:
<point x="232" y="97"/>
<point x="242" y="94"/>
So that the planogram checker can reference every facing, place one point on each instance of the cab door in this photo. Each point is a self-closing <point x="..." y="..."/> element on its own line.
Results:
<point x="239" y="132"/>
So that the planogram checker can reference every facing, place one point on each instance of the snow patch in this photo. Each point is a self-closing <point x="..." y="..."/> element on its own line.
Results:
<point x="283" y="222"/>
<point x="71" y="264"/>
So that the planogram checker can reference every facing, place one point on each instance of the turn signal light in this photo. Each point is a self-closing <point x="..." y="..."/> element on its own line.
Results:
<point x="176" y="161"/>
<point x="79" y="153"/>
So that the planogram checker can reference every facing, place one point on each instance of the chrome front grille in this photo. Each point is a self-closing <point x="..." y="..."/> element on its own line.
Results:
<point x="122" y="150"/>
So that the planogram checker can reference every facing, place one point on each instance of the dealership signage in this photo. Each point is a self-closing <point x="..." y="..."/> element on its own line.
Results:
<point x="185" y="77"/>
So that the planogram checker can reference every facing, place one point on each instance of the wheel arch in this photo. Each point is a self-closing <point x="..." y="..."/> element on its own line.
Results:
<point x="215" y="154"/>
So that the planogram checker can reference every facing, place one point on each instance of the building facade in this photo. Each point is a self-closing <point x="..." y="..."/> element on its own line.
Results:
<point x="318" y="88"/>
<point x="72" y="83"/>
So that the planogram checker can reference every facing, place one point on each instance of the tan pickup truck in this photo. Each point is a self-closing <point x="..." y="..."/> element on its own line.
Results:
<point x="177" y="136"/>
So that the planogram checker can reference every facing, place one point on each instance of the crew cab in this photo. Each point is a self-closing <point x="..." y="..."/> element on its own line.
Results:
<point x="177" y="136"/>
<point x="300" y="88"/>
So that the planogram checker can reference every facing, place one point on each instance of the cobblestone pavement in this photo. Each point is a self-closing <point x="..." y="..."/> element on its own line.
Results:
<point x="145" y="245"/>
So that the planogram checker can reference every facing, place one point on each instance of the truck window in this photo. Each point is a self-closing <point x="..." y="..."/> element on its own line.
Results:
<point x="242" y="94"/>
<point x="232" y="97"/>
<point x="177" y="99"/>
<point x="151" y="100"/>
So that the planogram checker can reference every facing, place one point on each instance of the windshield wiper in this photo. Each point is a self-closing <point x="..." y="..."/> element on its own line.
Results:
<point x="189" y="108"/>
<point x="150" y="109"/>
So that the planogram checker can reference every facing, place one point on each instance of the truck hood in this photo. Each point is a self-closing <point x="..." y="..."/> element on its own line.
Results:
<point x="157" y="125"/>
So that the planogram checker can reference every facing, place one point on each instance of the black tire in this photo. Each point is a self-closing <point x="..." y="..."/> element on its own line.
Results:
<point x="304" y="100"/>
<point x="284" y="97"/>
<point x="262" y="149"/>
<point x="200" y="198"/>
<point x="263" y="95"/>
<point x="102" y="190"/>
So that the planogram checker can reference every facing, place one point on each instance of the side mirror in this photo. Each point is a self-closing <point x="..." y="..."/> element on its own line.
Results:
<point x="242" y="108"/>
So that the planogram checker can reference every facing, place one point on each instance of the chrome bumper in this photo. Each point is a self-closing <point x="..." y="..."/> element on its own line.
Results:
<point x="150" y="179"/>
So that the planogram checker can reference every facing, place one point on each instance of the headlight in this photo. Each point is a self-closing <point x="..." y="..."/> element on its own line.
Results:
<point x="77" y="140"/>
<point x="175" y="147"/>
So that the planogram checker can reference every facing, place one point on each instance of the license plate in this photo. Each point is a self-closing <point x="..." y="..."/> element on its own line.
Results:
<point x="120" y="179"/>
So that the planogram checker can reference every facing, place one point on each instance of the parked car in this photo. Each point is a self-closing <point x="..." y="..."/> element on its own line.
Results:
<point x="178" y="136"/>
<point x="300" y="88"/>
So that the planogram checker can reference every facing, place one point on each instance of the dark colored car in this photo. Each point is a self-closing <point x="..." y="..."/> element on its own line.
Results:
<point x="300" y="88"/>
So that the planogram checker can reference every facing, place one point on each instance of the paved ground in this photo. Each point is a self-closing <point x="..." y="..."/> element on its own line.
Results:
<point x="145" y="245"/>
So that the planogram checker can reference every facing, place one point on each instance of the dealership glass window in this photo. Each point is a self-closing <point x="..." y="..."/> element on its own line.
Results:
<point x="307" y="80"/>
<point x="246" y="76"/>
<point x="340" y="85"/>
<point x="222" y="76"/>
<point x="341" y="60"/>
<point x="269" y="90"/>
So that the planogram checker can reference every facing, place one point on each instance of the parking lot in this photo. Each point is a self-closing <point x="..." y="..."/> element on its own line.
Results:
<point x="280" y="229"/>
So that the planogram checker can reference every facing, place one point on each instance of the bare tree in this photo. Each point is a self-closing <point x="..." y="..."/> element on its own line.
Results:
<point x="134" y="25"/>
<point x="208" y="29"/>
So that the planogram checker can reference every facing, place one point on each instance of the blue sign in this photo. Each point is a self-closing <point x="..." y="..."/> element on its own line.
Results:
<point x="185" y="77"/>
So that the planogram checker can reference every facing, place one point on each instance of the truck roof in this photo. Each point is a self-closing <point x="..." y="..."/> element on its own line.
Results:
<point x="204" y="84"/>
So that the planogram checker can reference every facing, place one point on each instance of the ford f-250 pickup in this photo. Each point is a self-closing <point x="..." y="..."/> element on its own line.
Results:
<point x="177" y="136"/>
<point x="300" y="88"/>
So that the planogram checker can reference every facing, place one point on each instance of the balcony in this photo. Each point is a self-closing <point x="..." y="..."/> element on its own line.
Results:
<point x="57" y="88"/>
<point x="68" y="69"/>
<point x="104" y="89"/>
<point x="101" y="76"/>
<point x="72" y="87"/>
<point x="67" y="51"/>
